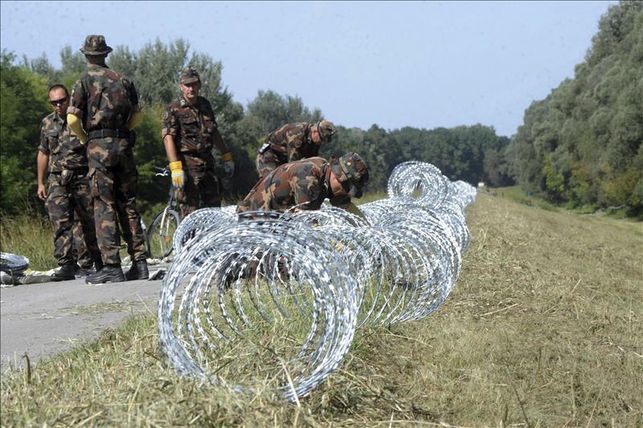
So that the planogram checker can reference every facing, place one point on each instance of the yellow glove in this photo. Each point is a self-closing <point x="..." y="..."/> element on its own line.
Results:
<point x="76" y="127"/>
<point x="178" y="176"/>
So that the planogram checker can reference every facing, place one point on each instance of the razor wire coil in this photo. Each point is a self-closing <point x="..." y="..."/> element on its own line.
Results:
<point x="292" y="288"/>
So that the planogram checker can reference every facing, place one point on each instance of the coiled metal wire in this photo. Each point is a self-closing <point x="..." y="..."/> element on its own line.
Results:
<point x="272" y="300"/>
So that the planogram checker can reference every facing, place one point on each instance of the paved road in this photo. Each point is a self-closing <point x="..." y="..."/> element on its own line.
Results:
<point x="46" y="318"/>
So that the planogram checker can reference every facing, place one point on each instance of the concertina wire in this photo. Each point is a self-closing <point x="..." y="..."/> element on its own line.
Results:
<point x="272" y="300"/>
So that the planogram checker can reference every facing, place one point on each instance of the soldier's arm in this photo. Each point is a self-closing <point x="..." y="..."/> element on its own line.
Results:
<point x="76" y="127"/>
<point x="226" y="154"/>
<point x="295" y="140"/>
<point x="170" y="148"/>
<point x="41" y="168"/>
<point x="77" y="105"/>
<point x="167" y="133"/>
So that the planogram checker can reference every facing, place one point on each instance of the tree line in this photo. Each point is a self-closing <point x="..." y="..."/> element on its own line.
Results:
<point x="470" y="153"/>
<point x="581" y="145"/>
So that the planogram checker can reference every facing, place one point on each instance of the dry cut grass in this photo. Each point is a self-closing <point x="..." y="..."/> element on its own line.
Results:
<point x="543" y="329"/>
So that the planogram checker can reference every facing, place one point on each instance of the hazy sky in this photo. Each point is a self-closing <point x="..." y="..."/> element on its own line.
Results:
<point x="420" y="64"/>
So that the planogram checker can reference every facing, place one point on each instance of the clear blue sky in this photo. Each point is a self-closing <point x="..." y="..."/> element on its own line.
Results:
<point x="420" y="64"/>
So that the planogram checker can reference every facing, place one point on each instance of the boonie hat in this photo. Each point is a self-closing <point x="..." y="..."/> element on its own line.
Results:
<point x="189" y="75"/>
<point x="95" y="45"/>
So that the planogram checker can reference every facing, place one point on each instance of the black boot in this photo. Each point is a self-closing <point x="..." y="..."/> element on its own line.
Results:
<point x="138" y="271"/>
<point x="65" y="273"/>
<point x="106" y="274"/>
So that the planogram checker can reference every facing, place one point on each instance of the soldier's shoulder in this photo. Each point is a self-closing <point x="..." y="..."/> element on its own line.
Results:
<point x="49" y="119"/>
<point x="174" y="104"/>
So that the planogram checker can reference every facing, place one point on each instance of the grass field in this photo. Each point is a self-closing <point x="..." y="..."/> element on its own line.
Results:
<point x="543" y="328"/>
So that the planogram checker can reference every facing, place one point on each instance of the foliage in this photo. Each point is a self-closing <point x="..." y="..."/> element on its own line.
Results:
<point x="582" y="143"/>
<point x="22" y="107"/>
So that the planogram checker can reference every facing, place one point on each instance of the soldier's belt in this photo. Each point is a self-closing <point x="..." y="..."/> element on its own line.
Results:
<point x="107" y="133"/>
<point x="83" y="170"/>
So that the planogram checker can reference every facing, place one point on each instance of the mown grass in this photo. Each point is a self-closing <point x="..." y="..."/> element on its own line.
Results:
<point x="542" y="329"/>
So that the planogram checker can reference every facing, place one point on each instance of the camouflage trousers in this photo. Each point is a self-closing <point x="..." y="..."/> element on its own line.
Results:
<point x="81" y="252"/>
<point x="114" y="182"/>
<point x="266" y="162"/>
<point x="69" y="205"/>
<point x="202" y="186"/>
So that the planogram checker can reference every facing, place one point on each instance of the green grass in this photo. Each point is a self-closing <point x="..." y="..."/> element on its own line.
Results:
<point x="29" y="235"/>
<point x="543" y="328"/>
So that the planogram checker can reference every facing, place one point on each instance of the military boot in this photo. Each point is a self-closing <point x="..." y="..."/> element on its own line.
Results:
<point x="109" y="273"/>
<point x="65" y="273"/>
<point x="138" y="271"/>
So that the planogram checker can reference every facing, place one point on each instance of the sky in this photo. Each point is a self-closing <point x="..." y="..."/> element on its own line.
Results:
<point x="394" y="64"/>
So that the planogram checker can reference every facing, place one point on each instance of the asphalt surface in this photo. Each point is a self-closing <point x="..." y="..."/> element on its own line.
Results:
<point x="43" y="319"/>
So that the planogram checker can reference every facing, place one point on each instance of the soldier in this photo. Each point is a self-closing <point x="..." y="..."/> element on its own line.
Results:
<point x="291" y="142"/>
<point x="67" y="195"/>
<point x="304" y="184"/>
<point x="189" y="135"/>
<point x="104" y="108"/>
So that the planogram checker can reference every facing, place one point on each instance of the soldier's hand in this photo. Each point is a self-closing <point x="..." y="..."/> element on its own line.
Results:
<point x="41" y="192"/>
<point x="178" y="176"/>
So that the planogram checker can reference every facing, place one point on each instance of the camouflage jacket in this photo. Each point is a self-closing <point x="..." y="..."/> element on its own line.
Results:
<point x="302" y="184"/>
<point x="291" y="142"/>
<point x="103" y="99"/>
<point x="194" y="128"/>
<point x="64" y="149"/>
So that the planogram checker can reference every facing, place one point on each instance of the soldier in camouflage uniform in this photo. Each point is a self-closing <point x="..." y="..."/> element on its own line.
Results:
<point x="291" y="142"/>
<point x="104" y="108"/>
<point x="304" y="184"/>
<point x="67" y="194"/>
<point x="189" y="134"/>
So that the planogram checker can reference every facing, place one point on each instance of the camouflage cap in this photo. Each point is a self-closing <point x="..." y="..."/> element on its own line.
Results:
<point x="189" y="75"/>
<point x="326" y="129"/>
<point x="352" y="172"/>
<point x="95" y="45"/>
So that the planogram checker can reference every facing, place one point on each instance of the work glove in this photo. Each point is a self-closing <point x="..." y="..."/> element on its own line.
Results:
<point x="228" y="164"/>
<point x="178" y="176"/>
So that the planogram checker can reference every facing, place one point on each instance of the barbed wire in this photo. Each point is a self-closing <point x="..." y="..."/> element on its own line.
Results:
<point x="286" y="292"/>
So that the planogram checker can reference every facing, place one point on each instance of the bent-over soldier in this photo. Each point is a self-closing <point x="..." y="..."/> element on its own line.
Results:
<point x="189" y="134"/>
<point x="104" y="108"/>
<point x="67" y="194"/>
<point x="291" y="142"/>
<point x="304" y="184"/>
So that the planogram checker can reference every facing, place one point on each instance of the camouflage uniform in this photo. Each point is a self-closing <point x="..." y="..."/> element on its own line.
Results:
<point x="81" y="252"/>
<point x="289" y="143"/>
<point x="104" y="100"/>
<point x="195" y="133"/>
<point x="304" y="184"/>
<point x="68" y="193"/>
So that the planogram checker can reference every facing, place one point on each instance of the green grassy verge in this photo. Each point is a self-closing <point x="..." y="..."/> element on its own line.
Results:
<point x="29" y="235"/>
<point x="543" y="328"/>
